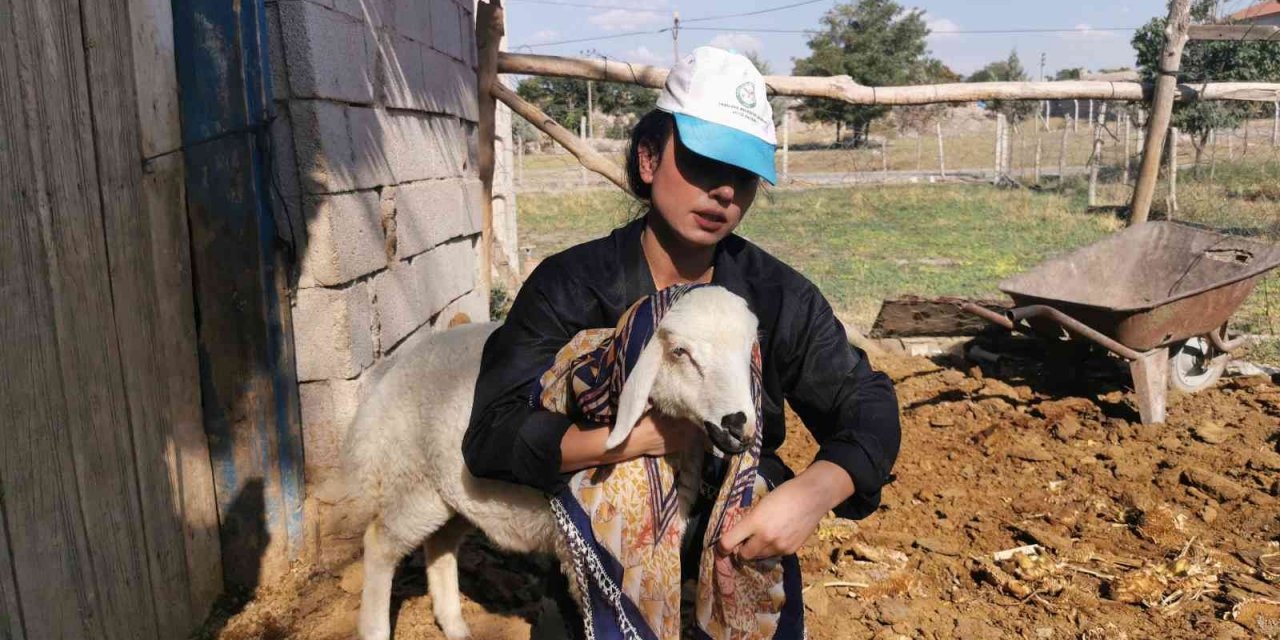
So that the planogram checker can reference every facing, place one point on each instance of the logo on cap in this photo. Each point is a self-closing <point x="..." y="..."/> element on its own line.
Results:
<point x="747" y="95"/>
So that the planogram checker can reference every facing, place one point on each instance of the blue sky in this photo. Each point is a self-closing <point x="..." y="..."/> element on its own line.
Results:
<point x="1084" y="44"/>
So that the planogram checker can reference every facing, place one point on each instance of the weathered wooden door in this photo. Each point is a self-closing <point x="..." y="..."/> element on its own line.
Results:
<point x="108" y="520"/>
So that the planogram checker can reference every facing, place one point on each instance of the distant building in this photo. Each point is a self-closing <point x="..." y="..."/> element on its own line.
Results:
<point x="1263" y="13"/>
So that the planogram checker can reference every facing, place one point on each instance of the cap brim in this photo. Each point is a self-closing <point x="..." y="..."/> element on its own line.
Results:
<point x="728" y="145"/>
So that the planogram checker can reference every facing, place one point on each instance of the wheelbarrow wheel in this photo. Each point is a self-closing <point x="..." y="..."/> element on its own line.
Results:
<point x="1195" y="365"/>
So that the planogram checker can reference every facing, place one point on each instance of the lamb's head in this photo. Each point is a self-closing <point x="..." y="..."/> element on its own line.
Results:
<point x="697" y="366"/>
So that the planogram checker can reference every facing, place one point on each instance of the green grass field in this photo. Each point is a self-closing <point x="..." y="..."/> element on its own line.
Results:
<point x="862" y="245"/>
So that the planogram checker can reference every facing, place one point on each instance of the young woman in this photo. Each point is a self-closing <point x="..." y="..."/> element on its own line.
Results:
<point x="697" y="161"/>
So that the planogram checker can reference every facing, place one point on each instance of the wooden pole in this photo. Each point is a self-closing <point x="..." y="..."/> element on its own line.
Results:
<point x="786" y="144"/>
<point x="1075" y="122"/>
<point x="1275" y="125"/>
<point x="582" y="133"/>
<point x="520" y="160"/>
<point x="1095" y="159"/>
<point x="845" y="89"/>
<point x="1213" y="154"/>
<point x="1091" y="112"/>
<point x="884" y="155"/>
<point x="1039" y="144"/>
<point x="591" y="130"/>
<point x="590" y="158"/>
<point x="1173" y="172"/>
<point x="489" y="32"/>
<point x="1161" y="109"/>
<point x="999" y="152"/>
<point x="1231" y="145"/>
<point x="942" y="158"/>
<point x="1126" y="146"/>
<point x="1062" y="156"/>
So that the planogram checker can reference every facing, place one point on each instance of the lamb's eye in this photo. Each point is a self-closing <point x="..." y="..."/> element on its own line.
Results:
<point x="679" y="352"/>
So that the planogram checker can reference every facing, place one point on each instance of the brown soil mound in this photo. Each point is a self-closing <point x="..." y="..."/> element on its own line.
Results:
<point x="1169" y="531"/>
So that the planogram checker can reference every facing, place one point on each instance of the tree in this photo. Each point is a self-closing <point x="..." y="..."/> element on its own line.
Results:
<point x="777" y="103"/>
<point x="918" y="118"/>
<point x="1208" y="61"/>
<point x="875" y="42"/>
<point x="1007" y="70"/>
<point x="1074" y="73"/>
<point x="565" y="99"/>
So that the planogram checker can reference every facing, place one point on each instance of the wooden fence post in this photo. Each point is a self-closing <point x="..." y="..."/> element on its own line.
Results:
<point x="786" y="144"/>
<point x="1039" y="144"/>
<point x="582" y="133"/>
<point x="519" y="160"/>
<point x="1275" y="126"/>
<point x="489" y="32"/>
<point x="1095" y="156"/>
<point x="1127" y="116"/>
<point x="1161" y="109"/>
<point x="942" y="158"/>
<point x="1075" y="121"/>
<point x="1173" y="172"/>
<point x="1062" y="156"/>
<point x="884" y="155"/>
<point x="1213" y="154"/>
<point x="999" y="162"/>
<point x="1231" y="145"/>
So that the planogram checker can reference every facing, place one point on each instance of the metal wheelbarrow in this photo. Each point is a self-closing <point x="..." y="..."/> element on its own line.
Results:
<point x="1158" y="294"/>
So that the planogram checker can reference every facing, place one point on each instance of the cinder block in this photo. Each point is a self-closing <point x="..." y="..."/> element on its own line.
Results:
<point x="412" y="19"/>
<point x="332" y="335"/>
<point x="402" y="80"/>
<point x="419" y="147"/>
<point x="369" y="167"/>
<point x="446" y="24"/>
<point x="344" y="238"/>
<point x="412" y="292"/>
<point x="472" y="307"/>
<point x="453" y="86"/>
<point x="291" y="224"/>
<point x="432" y="212"/>
<point x="330" y="54"/>
<point x="469" y="52"/>
<point x="323" y="145"/>
<point x="328" y="407"/>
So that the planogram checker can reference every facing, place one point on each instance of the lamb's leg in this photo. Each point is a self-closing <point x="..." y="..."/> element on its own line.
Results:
<point x="388" y="539"/>
<point x="442" y="577"/>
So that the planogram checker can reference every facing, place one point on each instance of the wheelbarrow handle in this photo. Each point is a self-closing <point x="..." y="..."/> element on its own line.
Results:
<point x="1013" y="318"/>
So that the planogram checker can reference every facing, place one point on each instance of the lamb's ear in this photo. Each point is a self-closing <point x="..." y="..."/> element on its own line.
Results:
<point x="634" y="400"/>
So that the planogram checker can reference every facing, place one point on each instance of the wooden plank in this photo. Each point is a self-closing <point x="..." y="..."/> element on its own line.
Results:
<point x="1234" y="32"/>
<point x="1161" y="109"/>
<point x="488" y="38"/>
<point x="43" y="267"/>
<point x="250" y="406"/>
<point x="187" y="450"/>
<point x="154" y="76"/>
<point x="10" y="609"/>
<point x="152" y="384"/>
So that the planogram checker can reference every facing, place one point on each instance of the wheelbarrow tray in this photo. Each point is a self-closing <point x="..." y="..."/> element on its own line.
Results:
<point x="1150" y="285"/>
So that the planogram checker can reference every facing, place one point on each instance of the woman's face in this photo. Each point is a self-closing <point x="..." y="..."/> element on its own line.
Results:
<point x="701" y="200"/>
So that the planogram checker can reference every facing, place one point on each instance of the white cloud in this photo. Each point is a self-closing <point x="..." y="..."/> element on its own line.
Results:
<point x="740" y="42"/>
<point x="940" y="28"/>
<point x="642" y="55"/>
<point x="1086" y="32"/>
<point x="546" y="35"/>
<point x="626" y="20"/>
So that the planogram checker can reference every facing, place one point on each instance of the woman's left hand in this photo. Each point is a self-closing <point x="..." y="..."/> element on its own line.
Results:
<point x="780" y="523"/>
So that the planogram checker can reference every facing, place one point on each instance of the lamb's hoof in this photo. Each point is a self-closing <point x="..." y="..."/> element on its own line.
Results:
<point x="455" y="629"/>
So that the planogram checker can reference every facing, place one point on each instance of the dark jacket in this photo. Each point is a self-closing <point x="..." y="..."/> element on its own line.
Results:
<point x="849" y="407"/>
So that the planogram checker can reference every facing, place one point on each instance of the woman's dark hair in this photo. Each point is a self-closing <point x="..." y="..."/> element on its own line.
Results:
<point x="651" y="134"/>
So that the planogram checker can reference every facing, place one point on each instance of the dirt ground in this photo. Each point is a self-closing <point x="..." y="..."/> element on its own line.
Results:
<point x="1166" y="531"/>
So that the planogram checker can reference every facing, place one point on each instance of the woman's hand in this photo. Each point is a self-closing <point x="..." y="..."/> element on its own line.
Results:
<point x="784" y="519"/>
<point x="654" y="435"/>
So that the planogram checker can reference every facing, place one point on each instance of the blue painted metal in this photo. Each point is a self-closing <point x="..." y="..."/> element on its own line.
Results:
<point x="247" y="375"/>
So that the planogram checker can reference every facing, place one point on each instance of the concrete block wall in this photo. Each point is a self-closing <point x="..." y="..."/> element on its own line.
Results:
<point x="374" y="151"/>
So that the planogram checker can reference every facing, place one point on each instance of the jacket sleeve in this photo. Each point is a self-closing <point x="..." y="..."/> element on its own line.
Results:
<point x="850" y="408"/>
<point x="508" y="438"/>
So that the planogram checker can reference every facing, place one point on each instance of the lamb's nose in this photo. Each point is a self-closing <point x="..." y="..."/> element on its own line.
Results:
<point x="734" y="423"/>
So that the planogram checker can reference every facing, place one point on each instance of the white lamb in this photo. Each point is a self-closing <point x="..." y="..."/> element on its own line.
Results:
<point x="404" y="448"/>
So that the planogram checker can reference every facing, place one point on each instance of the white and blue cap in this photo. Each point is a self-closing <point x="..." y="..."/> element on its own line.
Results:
<point x="722" y="110"/>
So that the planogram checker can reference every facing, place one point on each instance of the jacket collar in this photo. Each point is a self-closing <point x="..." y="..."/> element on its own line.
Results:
<point x="638" y="281"/>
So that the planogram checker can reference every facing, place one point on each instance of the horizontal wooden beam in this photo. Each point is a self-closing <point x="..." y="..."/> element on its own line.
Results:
<point x="1235" y="32"/>
<point x="844" y="88"/>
